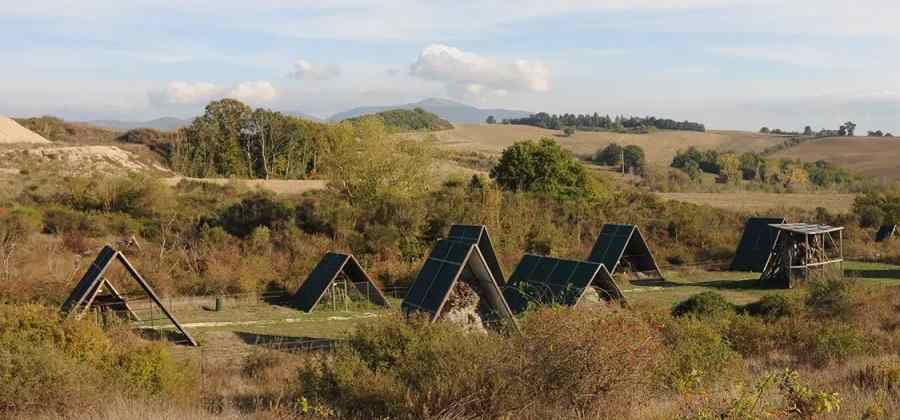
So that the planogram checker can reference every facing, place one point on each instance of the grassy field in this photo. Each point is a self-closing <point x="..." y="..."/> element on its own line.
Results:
<point x="660" y="146"/>
<point x="238" y="329"/>
<point x="758" y="202"/>
<point x="870" y="156"/>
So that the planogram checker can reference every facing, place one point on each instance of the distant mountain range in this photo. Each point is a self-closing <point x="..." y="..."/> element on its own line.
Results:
<point x="162" y="124"/>
<point x="454" y="112"/>
<point x="449" y="110"/>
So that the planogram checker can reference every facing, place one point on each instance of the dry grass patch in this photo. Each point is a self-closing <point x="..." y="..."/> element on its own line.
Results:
<point x="759" y="202"/>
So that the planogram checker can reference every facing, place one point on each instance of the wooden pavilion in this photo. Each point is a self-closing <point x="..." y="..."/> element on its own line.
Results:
<point x="799" y="250"/>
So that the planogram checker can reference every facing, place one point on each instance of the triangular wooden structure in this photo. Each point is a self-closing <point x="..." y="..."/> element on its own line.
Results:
<point x="621" y="247"/>
<point x="86" y="292"/>
<point x="886" y="232"/>
<point x="478" y="234"/>
<point x="756" y="243"/>
<point x="332" y="265"/>
<point x="548" y="280"/>
<point x="451" y="262"/>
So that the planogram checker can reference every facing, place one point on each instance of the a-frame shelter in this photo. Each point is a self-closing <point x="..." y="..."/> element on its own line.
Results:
<point x="548" y="280"/>
<point x="623" y="248"/>
<point x="323" y="278"/>
<point x="885" y="233"/>
<point x="87" y="293"/>
<point x="478" y="234"/>
<point x="452" y="262"/>
<point x="756" y="244"/>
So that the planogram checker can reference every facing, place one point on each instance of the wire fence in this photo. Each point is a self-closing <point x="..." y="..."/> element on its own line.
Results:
<point x="344" y="297"/>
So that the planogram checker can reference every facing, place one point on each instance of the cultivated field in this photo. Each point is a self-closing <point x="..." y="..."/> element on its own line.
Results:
<point x="659" y="146"/>
<point x="758" y="202"/>
<point x="870" y="156"/>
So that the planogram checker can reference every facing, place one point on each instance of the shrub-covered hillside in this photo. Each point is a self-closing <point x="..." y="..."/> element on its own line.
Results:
<point x="416" y="119"/>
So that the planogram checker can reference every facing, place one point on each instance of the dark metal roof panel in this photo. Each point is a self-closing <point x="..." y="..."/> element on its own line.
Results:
<point x="756" y="244"/>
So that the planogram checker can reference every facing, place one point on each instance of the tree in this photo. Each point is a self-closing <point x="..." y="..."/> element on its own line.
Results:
<point x="730" y="167"/>
<point x="764" y="130"/>
<point x="807" y="131"/>
<point x="491" y="120"/>
<point x="366" y="164"/>
<point x="750" y="165"/>
<point x="232" y="140"/>
<point x="610" y="155"/>
<point x="634" y="159"/>
<point x="542" y="167"/>
<point x="848" y="129"/>
<point x="568" y="131"/>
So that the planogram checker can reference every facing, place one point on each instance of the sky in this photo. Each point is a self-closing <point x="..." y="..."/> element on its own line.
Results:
<point x="731" y="64"/>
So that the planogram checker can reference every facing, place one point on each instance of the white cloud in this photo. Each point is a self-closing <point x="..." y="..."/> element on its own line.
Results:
<point x="181" y="94"/>
<point x="184" y="93"/>
<point x="254" y="92"/>
<point x="305" y="70"/>
<point x="469" y="74"/>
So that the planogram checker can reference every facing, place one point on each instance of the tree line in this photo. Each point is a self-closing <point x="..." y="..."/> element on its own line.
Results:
<point x="595" y="121"/>
<point x="749" y="166"/>
<point x="847" y="129"/>
<point x="231" y="139"/>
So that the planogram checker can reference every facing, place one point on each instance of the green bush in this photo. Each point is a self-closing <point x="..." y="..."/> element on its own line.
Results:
<point x="254" y="211"/>
<point x="706" y="304"/>
<point x="59" y="219"/>
<point x="700" y="355"/>
<point x="410" y="370"/>
<point x="558" y="364"/>
<point x="771" y="307"/>
<point x="48" y="364"/>
<point x="831" y="298"/>
<point x="148" y="370"/>
<point x="831" y="343"/>
<point x="750" y="336"/>
<point x="542" y="167"/>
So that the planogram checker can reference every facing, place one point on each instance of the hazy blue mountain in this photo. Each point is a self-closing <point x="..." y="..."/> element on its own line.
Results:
<point x="302" y="115"/>
<point x="162" y="124"/>
<point x="454" y="112"/>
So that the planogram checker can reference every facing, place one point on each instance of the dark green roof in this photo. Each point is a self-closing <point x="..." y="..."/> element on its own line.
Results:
<point x="327" y="270"/>
<point x="756" y="243"/>
<point x="548" y="280"/>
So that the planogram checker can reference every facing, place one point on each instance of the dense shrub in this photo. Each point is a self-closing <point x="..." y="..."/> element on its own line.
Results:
<point x="254" y="211"/>
<point x="583" y="359"/>
<point x="831" y="343"/>
<point x="700" y="355"/>
<point x="831" y="297"/>
<point x="706" y="304"/>
<point x="558" y="365"/>
<point x="771" y="307"/>
<point x="50" y="364"/>
<point x="397" y="369"/>
<point x="820" y="342"/>
<point x="750" y="336"/>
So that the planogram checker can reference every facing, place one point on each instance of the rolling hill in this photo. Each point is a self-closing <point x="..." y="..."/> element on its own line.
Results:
<point x="875" y="157"/>
<point x="454" y="112"/>
<point x="659" y="146"/>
